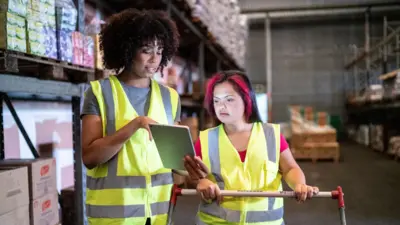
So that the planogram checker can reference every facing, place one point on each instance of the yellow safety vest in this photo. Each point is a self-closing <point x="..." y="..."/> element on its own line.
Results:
<point x="133" y="185"/>
<point x="259" y="172"/>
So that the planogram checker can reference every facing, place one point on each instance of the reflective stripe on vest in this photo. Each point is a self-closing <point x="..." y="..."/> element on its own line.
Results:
<point x="230" y="215"/>
<point x="112" y="181"/>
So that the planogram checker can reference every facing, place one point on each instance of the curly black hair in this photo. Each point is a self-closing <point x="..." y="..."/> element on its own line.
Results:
<point x="127" y="31"/>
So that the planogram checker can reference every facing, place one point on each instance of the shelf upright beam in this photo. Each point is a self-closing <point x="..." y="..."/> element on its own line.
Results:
<point x="397" y="51"/>
<point x="268" y="50"/>
<point x="385" y="47"/>
<point x="367" y="44"/>
<point x="201" y="81"/>
<point x="78" y="165"/>
<point x="169" y="5"/>
<point x="2" y="155"/>
<point x="218" y="65"/>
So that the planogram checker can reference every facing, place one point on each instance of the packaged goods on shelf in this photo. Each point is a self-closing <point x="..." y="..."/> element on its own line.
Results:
<point x="45" y="210"/>
<point x="98" y="55"/>
<point x="225" y="23"/>
<point x="36" y="38"/>
<point x="41" y="29"/>
<point x="14" y="180"/>
<point x="14" y="207"/>
<point x="66" y="18"/>
<point x="77" y="47"/>
<point x="351" y="132"/>
<point x="64" y="45"/>
<point x="44" y="6"/>
<point x="12" y="32"/>
<point x="19" y="216"/>
<point x="376" y="137"/>
<point x="374" y="92"/>
<point x="394" y="146"/>
<point x="17" y="7"/>
<point x="88" y="51"/>
<point x="396" y="86"/>
<point x="362" y="136"/>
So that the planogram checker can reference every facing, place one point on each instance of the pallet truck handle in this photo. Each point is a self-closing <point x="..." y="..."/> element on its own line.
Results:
<point x="335" y="194"/>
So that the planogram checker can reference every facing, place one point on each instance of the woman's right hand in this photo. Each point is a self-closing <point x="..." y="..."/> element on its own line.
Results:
<point x="195" y="167"/>
<point x="209" y="190"/>
<point x="144" y="122"/>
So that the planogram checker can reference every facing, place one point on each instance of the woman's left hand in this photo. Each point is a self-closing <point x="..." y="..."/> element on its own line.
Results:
<point x="303" y="192"/>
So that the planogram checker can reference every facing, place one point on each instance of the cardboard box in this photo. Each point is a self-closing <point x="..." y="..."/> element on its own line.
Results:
<point x="41" y="175"/>
<point x="19" y="216"/>
<point x="44" y="210"/>
<point x="14" y="190"/>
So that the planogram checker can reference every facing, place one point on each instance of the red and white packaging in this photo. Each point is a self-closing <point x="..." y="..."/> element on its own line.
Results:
<point x="45" y="210"/>
<point x="42" y="175"/>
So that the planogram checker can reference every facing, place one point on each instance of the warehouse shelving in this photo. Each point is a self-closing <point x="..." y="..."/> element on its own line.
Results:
<point x="197" y="46"/>
<point x="12" y="85"/>
<point x="376" y="63"/>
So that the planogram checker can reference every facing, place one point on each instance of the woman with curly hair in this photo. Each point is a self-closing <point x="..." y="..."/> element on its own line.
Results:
<point x="126" y="181"/>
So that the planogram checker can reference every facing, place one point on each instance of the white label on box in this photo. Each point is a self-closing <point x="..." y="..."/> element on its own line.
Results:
<point x="19" y="216"/>
<point x="44" y="179"/>
<point x="14" y="191"/>
<point x="45" y="210"/>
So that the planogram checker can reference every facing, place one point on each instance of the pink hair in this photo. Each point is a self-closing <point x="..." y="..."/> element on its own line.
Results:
<point x="238" y="84"/>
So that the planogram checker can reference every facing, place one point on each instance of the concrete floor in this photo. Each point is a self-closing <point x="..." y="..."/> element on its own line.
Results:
<point x="370" y="181"/>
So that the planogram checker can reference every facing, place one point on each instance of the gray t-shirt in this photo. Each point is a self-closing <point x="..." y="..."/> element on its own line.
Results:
<point x="139" y="98"/>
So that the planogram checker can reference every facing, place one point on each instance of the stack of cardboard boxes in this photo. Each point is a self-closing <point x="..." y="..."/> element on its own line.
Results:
<point x="29" y="194"/>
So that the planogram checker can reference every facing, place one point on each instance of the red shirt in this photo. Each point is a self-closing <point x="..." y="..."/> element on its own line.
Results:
<point x="242" y="154"/>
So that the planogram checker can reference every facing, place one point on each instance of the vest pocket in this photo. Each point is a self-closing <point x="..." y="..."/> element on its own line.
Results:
<point x="271" y="171"/>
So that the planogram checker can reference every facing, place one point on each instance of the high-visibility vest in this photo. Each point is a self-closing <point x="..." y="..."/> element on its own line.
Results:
<point x="259" y="172"/>
<point x="133" y="185"/>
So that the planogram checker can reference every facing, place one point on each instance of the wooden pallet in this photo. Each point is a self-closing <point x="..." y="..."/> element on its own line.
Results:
<point x="14" y="62"/>
<point x="317" y="151"/>
<point x="299" y="139"/>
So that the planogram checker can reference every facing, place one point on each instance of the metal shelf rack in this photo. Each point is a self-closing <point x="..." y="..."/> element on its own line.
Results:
<point x="377" y="62"/>
<point x="50" y="91"/>
<point x="377" y="57"/>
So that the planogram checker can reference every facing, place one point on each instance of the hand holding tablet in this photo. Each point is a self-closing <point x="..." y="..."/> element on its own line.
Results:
<point x="173" y="142"/>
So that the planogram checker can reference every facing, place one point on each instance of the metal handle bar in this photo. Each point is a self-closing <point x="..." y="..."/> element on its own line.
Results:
<point x="283" y="194"/>
<point x="335" y="194"/>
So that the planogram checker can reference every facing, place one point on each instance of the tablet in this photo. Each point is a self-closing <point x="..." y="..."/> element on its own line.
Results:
<point x="173" y="143"/>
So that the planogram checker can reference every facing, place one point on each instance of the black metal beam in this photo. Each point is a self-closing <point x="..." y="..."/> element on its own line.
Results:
<point x="321" y="7"/>
<point x="20" y="84"/>
<point x="2" y="155"/>
<point x="78" y="163"/>
<point x="38" y="98"/>
<point x="20" y="126"/>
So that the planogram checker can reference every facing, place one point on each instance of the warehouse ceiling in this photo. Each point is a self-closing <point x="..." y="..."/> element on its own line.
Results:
<point x="305" y="11"/>
<point x="283" y="5"/>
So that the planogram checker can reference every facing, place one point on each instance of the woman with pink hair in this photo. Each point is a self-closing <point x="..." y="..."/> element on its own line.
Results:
<point x="241" y="153"/>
